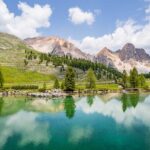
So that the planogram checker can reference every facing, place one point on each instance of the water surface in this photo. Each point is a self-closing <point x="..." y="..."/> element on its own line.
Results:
<point x="109" y="122"/>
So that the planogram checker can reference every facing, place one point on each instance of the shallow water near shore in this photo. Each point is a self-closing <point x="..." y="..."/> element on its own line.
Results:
<point x="108" y="122"/>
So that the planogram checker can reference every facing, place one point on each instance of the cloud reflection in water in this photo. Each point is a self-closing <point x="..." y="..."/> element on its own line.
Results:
<point x="113" y="108"/>
<point x="26" y="125"/>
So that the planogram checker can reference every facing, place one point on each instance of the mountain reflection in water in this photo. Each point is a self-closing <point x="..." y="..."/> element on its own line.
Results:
<point x="70" y="123"/>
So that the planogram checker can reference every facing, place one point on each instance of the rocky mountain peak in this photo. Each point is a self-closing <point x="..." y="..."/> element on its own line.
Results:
<point x="55" y="46"/>
<point x="104" y="51"/>
<point x="127" y="52"/>
<point x="128" y="47"/>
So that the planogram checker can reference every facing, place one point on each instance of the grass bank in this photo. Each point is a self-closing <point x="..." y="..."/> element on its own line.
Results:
<point x="14" y="76"/>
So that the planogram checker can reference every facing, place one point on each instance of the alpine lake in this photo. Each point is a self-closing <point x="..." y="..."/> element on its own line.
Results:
<point x="112" y="121"/>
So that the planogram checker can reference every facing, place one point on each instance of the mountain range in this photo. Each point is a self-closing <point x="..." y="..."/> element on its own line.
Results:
<point x="12" y="53"/>
<point x="125" y="58"/>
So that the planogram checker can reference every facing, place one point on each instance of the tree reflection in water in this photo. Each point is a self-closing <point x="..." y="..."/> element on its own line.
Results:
<point x="1" y="104"/>
<point x="90" y="100"/>
<point x="129" y="100"/>
<point x="69" y="106"/>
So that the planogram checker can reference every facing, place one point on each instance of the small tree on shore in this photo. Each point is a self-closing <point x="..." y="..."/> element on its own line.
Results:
<point x="70" y="79"/>
<point x="56" y="84"/>
<point x="1" y="79"/>
<point x="90" y="79"/>
<point x="124" y="79"/>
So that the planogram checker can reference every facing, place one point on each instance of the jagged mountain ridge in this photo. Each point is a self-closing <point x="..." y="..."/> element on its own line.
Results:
<point x="56" y="46"/>
<point x="125" y="58"/>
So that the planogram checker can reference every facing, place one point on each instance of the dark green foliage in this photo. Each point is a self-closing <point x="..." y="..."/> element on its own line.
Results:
<point x="56" y="84"/>
<point x="69" y="106"/>
<point x="1" y="104"/>
<point x="62" y="85"/>
<point x="147" y="75"/>
<point x="142" y="80"/>
<point x="100" y="70"/>
<point x="43" y="89"/>
<point x="24" y="87"/>
<point x="134" y="78"/>
<point x="25" y="62"/>
<point x="124" y="79"/>
<point x="90" y="100"/>
<point x="70" y="79"/>
<point x="129" y="100"/>
<point x="1" y="79"/>
<point x="90" y="79"/>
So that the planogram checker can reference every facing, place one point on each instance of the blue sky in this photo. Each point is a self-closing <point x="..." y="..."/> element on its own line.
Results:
<point x="106" y="14"/>
<point x="105" y="22"/>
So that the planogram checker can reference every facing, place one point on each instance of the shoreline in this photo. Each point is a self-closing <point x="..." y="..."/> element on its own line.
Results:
<point x="60" y="93"/>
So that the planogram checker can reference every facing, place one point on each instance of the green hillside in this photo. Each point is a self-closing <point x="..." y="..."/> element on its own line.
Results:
<point x="14" y="76"/>
<point x="20" y="65"/>
<point x="14" y="51"/>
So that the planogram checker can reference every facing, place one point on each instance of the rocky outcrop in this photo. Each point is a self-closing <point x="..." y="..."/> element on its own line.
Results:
<point x="126" y="58"/>
<point x="130" y="52"/>
<point x="56" y="46"/>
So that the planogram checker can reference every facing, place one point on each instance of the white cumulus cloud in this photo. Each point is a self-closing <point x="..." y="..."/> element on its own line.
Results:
<point x="28" y="22"/>
<point x="128" y="31"/>
<point x="78" y="16"/>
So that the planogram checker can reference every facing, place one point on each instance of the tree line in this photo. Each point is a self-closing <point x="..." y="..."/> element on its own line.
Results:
<point x="101" y="71"/>
<point x="133" y="80"/>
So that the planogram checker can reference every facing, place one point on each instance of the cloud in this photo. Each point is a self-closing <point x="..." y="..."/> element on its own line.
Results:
<point x="28" y="22"/>
<point x="128" y="31"/>
<point x="78" y="16"/>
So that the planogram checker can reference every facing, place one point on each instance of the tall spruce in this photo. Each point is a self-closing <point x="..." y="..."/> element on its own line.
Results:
<point x="124" y="79"/>
<point x="70" y="79"/>
<point x="134" y="78"/>
<point x="56" y="84"/>
<point x="90" y="79"/>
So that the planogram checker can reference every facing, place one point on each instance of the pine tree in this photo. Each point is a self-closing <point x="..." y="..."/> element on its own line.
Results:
<point x="142" y="80"/>
<point x="1" y="79"/>
<point x="90" y="79"/>
<point x="56" y="84"/>
<point x="62" y="85"/>
<point x="70" y="79"/>
<point x="134" y="78"/>
<point x="124" y="79"/>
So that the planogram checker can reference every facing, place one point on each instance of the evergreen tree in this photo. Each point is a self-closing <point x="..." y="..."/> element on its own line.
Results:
<point x="70" y="79"/>
<point x="142" y="80"/>
<point x="90" y="79"/>
<point x="56" y="84"/>
<point x="124" y="79"/>
<point x="134" y="78"/>
<point x="62" y="85"/>
<point x="25" y="62"/>
<point x="1" y="79"/>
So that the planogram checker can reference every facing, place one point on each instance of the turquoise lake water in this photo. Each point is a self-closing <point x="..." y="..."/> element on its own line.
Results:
<point x="108" y="122"/>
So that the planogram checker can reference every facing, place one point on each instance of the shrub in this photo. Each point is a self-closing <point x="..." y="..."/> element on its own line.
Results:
<point x="24" y="87"/>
